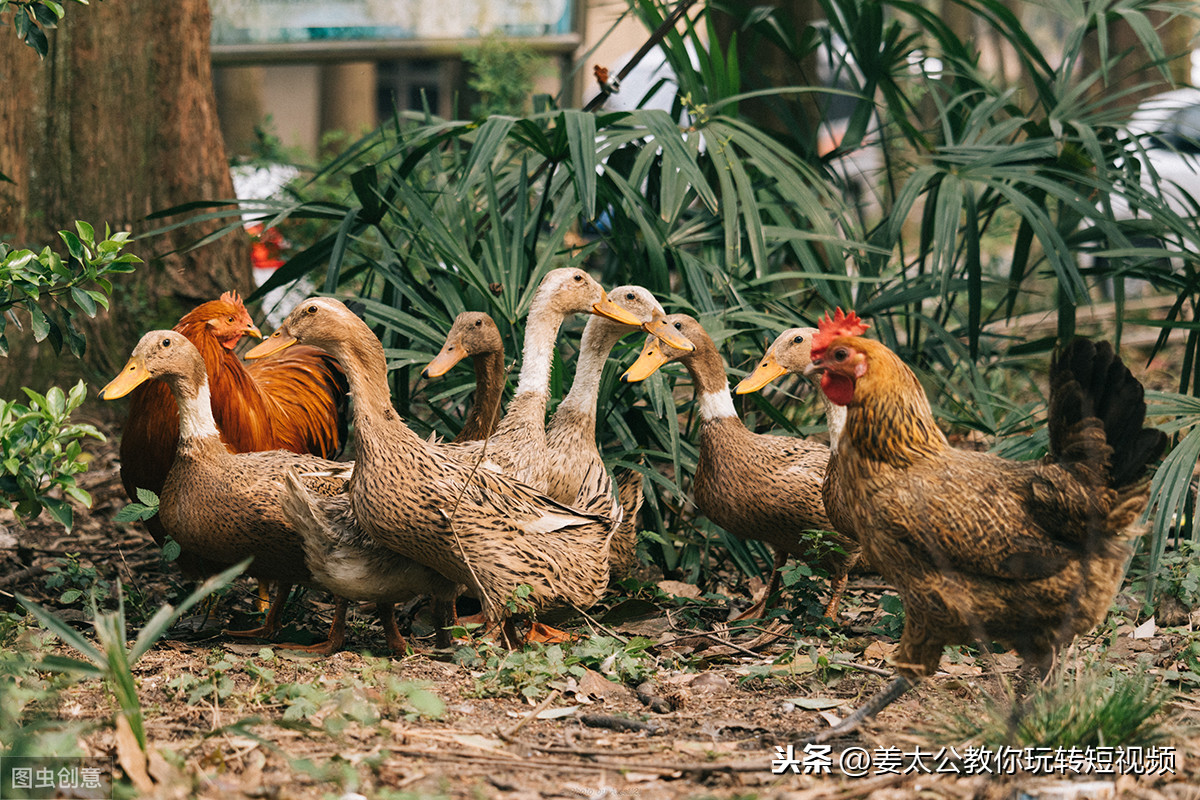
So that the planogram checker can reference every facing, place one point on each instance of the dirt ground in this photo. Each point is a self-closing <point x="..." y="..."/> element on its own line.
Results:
<point x="702" y="712"/>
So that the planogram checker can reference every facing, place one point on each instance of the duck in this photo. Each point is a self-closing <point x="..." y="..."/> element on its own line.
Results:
<point x="755" y="486"/>
<point x="475" y="334"/>
<point x="229" y="506"/>
<point x="518" y="445"/>
<point x="518" y="550"/>
<point x="346" y="562"/>
<point x="575" y="470"/>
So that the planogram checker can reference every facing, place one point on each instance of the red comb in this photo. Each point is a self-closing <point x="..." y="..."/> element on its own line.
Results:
<point x="232" y="297"/>
<point x="840" y="324"/>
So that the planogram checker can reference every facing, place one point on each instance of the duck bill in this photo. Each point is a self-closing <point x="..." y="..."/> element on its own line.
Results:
<point x="768" y="370"/>
<point x="132" y="375"/>
<point x="607" y="308"/>
<point x="648" y="362"/>
<point x="442" y="363"/>
<point x="666" y="332"/>
<point x="271" y="345"/>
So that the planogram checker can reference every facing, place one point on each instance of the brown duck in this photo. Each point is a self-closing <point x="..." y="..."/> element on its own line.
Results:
<point x="229" y="506"/>
<point x="475" y="334"/>
<point x="575" y="471"/>
<point x="519" y="550"/>
<point x="753" y="485"/>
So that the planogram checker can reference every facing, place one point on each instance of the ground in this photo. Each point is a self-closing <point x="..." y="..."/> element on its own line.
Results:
<point x="658" y="701"/>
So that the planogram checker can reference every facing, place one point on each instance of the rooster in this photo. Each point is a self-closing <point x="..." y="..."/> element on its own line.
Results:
<point x="982" y="548"/>
<point x="294" y="402"/>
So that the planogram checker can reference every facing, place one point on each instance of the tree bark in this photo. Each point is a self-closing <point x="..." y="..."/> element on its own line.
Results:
<point x="119" y="122"/>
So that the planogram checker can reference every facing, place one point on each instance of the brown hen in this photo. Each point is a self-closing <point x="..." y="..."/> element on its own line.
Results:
<point x="295" y="402"/>
<point x="981" y="548"/>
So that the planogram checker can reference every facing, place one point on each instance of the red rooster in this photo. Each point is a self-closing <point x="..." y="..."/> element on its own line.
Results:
<point x="1029" y="553"/>
<point x="296" y="402"/>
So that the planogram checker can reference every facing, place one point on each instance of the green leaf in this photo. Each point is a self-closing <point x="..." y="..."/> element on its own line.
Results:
<point x="171" y="549"/>
<point x="38" y="321"/>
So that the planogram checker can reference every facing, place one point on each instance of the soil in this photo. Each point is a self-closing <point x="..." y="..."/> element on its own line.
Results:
<point x="228" y="718"/>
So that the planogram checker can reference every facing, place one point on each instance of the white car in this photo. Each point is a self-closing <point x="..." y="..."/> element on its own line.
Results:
<point x="1167" y="125"/>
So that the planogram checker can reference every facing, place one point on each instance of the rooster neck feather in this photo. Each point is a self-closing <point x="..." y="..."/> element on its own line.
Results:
<point x="890" y="420"/>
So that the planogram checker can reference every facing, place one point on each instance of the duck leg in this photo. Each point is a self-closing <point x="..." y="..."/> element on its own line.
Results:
<point x="271" y="624"/>
<point x="758" y="609"/>
<point x="445" y="616"/>
<point x="263" y="600"/>
<point x="391" y="631"/>
<point x="337" y="633"/>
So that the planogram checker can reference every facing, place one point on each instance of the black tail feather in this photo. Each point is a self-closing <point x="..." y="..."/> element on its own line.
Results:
<point x="1088" y="380"/>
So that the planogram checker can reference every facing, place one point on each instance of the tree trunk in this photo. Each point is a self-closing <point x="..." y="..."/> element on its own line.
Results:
<point x="118" y="122"/>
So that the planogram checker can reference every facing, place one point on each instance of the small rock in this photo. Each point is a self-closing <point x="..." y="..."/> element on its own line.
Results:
<point x="709" y="682"/>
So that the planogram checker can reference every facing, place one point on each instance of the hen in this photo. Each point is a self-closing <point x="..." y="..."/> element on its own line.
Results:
<point x="294" y="402"/>
<point x="1030" y="553"/>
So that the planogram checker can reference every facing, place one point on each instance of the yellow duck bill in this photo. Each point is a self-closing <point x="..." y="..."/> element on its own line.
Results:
<point x="132" y="375"/>
<point x="767" y="370"/>
<point x="648" y="362"/>
<point x="271" y="345"/>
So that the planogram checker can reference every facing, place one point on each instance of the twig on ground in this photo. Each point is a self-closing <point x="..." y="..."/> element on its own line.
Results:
<point x="22" y="574"/>
<point x="596" y="624"/>
<point x="510" y="734"/>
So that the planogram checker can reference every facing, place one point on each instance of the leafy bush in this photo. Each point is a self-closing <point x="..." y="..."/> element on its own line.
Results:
<point x="40" y="450"/>
<point x="41" y="453"/>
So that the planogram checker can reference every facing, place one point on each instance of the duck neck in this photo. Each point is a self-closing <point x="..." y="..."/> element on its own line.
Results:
<point x="541" y="334"/>
<point x="599" y="338"/>
<point x="489" y="388"/>
<point x="712" y="387"/>
<point x="365" y="366"/>
<point x="835" y="416"/>
<point x="197" y="426"/>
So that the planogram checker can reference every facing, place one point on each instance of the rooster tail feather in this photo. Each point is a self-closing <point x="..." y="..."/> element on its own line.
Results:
<point x="1089" y="382"/>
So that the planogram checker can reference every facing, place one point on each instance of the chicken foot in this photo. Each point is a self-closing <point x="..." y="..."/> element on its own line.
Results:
<point x="880" y="701"/>
<point x="758" y="609"/>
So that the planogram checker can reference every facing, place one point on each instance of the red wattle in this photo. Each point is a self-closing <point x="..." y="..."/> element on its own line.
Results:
<point x="838" y="388"/>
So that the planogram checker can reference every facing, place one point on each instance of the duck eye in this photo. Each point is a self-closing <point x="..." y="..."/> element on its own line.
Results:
<point x="166" y="342"/>
<point x="798" y="340"/>
<point x="629" y="295"/>
<point x="578" y="277"/>
<point x="478" y="323"/>
<point x="312" y="309"/>
<point x="678" y="326"/>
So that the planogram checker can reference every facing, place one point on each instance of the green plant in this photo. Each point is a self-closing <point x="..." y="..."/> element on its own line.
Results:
<point x="32" y="19"/>
<point x="28" y="279"/>
<point x="144" y="508"/>
<point x="537" y="669"/>
<point x="41" y="453"/>
<point x="111" y="661"/>
<point x="503" y="72"/>
<point x="75" y="581"/>
<point x="1089" y="706"/>
<point x="891" y="624"/>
